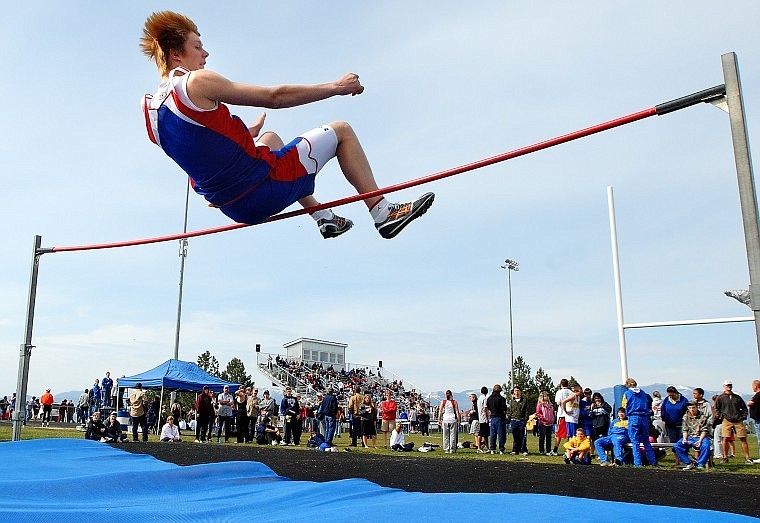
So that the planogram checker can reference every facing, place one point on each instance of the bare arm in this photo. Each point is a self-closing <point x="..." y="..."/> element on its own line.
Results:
<point x="206" y="87"/>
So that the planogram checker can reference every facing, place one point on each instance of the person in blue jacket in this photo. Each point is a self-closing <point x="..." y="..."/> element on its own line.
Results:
<point x="673" y="409"/>
<point x="638" y="406"/>
<point x="616" y="439"/>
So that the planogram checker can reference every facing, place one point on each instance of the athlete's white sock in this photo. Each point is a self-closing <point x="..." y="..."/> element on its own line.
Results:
<point x="324" y="214"/>
<point x="379" y="211"/>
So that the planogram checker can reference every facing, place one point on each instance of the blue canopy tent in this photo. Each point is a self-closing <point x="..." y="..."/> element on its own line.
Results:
<point x="174" y="376"/>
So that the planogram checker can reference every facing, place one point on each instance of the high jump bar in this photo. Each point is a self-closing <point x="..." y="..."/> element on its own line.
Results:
<point x="675" y="323"/>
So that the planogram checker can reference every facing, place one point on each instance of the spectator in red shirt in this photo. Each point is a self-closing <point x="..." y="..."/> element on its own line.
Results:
<point x="388" y="409"/>
<point x="46" y="400"/>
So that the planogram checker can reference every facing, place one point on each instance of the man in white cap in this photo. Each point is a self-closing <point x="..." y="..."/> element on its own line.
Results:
<point x="733" y="410"/>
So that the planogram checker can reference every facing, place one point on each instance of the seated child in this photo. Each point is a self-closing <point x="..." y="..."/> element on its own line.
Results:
<point x="616" y="439"/>
<point x="577" y="448"/>
<point x="397" y="440"/>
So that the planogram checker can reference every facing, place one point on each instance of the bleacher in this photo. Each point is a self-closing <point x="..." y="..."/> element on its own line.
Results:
<point x="307" y="379"/>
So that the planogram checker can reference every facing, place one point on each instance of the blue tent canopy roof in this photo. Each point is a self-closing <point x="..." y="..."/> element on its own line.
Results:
<point x="176" y="375"/>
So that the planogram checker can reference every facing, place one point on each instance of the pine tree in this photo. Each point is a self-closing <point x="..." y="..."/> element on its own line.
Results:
<point x="235" y="372"/>
<point x="209" y="363"/>
<point x="544" y="382"/>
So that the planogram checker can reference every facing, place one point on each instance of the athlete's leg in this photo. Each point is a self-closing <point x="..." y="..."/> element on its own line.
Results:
<point x="353" y="161"/>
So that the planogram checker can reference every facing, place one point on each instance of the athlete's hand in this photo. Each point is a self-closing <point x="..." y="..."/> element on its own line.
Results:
<point x="255" y="129"/>
<point x="349" y="84"/>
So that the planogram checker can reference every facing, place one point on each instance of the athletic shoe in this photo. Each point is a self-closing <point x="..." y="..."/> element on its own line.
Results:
<point x="756" y="461"/>
<point x="690" y="466"/>
<point x="501" y="452"/>
<point x="402" y="214"/>
<point x="567" y="460"/>
<point x="749" y="461"/>
<point x="724" y="460"/>
<point x="525" y="453"/>
<point x="197" y="440"/>
<point x="334" y="227"/>
<point x="618" y="463"/>
<point x="492" y="452"/>
<point x="513" y="453"/>
<point x="607" y="464"/>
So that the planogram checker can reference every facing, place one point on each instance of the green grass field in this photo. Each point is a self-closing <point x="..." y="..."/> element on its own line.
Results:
<point x="736" y="466"/>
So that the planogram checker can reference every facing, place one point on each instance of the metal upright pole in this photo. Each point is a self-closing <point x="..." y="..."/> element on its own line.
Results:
<point x="746" y="180"/>
<point x="511" y="343"/>
<point x="19" y="414"/>
<point x="182" y="255"/>
<point x="618" y="287"/>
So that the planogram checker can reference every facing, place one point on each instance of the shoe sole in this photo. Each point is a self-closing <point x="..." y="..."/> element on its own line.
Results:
<point x="416" y="213"/>
<point x="333" y="232"/>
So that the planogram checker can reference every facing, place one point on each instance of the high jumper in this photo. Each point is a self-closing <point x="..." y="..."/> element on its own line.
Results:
<point x="247" y="175"/>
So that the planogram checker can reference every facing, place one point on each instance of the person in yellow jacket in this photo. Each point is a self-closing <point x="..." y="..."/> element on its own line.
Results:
<point x="577" y="448"/>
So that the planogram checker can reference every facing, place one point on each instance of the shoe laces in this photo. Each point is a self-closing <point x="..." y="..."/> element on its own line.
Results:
<point x="397" y="210"/>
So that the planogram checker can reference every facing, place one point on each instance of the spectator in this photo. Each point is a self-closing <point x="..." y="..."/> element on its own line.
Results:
<point x="170" y="431"/>
<point x="423" y="418"/>
<point x="586" y="403"/>
<point x="600" y="417"/>
<point x="702" y="404"/>
<point x="266" y="434"/>
<point x="545" y="418"/>
<point x="397" y="441"/>
<point x="734" y="411"/>
<point x="754" y="413"/>
<point x="388" y="412"/>
<point x="472" y="416"/>
<point x="289" y="410"/>
<point x="317" y="441"/>
<point x="176" y="411"/>
<point x="4" y="406"/>
<point x="268" y="407"/>
<point x="414" y="425"/>
<point x="107" y="385"/>
<point x="368" y="416"/>
<point x="83" y="407"/>
<point x="519" y="411"/>
<point x="638" y="405"/>
<point x="572" y="408"/>
<point x="448" y="420"/>
<point x="225" y="401"/>
<point x="354" y="403"/>
<point x="95" y="392"/>
<point x="62" y="411"/>
<point x="562" y="394"/>
<point x="696" y="433"/>
<point x="113" y="429"/>
<point x="46" y="400"/>
<point x="252" y="409"/>
<point x="481" y="440"/>
<point x="136" y="402"/>
<point x="577" y="448"/>
<point x="204" y="409"/>
<point x="616" y="438"/>
<point x="497" y="418"/>
<point x="329" y="410"/>
<point x="673" y="409"/>
<point x="717" y="430"/>
<point x="96" y="430"/>
<point x="241" y="415"/>
<point x="657" y="416"/>
<point x="70" y="411"/>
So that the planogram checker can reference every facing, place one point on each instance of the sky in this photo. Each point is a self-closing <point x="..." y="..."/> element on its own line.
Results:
<point x="443" y="87"/>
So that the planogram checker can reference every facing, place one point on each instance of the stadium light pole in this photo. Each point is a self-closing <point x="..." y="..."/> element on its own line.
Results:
<point x="510" y="265"/>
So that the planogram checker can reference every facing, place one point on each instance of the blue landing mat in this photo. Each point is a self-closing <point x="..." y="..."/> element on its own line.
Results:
<point x="62" y="480"/>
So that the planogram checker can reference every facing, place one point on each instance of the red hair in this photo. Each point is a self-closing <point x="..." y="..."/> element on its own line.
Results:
<point x="165" y="31"/>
